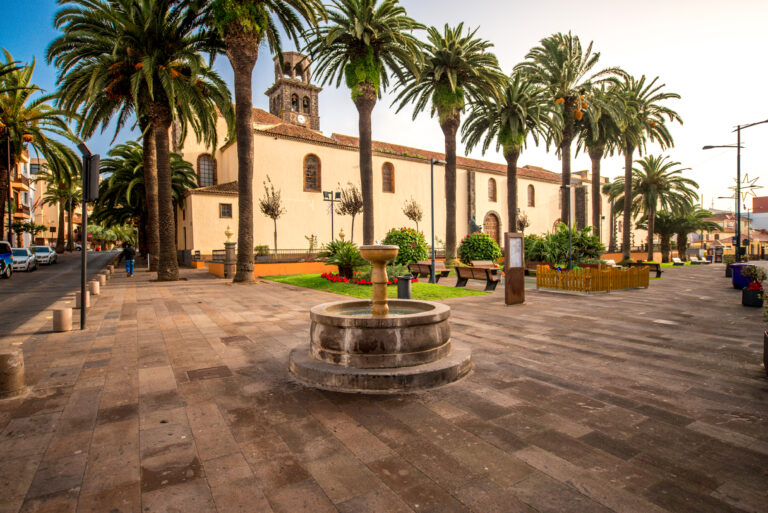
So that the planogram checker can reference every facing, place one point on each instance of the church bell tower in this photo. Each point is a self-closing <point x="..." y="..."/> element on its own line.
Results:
<point x="293" y="97"/>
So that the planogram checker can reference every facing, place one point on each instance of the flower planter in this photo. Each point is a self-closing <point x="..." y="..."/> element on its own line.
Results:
<point x="738" y="279"/>
<point x="752" y="297"/>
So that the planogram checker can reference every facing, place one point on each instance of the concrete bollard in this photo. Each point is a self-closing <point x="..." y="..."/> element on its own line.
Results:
<point x="62" y="319"/>
<point x="102" y="280"/>
<point x="93" y="287"/>
<point x="111" y="268"/>
<point x="87" y="299"/>
<point x="12" y="379"/>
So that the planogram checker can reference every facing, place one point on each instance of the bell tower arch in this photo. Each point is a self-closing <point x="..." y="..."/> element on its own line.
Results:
<point x="293" y="97"/>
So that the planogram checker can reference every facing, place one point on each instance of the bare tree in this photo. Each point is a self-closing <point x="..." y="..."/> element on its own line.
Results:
<point x="412" y="211"/>
<point x="522" y="222"/>
<point x="350" y="204"/>
<point x="271" y="205"/>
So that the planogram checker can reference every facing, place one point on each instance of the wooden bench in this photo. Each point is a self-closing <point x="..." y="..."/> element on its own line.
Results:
<point x="491" y="275"/>
<point x="652" y="266"/>
<point x="423" y="268"/>
<point x="483" y="263"/>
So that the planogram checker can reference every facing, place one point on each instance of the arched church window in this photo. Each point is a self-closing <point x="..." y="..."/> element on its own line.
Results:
<point x="388" y="177"/>
<point x="305" y="105"/>
<point x="491" y="189"/>
<point x="311" y="173"/>
<point x="295" y="102"/>
<point x="531" y="196"/>
<point x="206" y="170"/>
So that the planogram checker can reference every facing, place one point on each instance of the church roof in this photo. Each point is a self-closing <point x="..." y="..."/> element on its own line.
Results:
<point x="226" y="189"/>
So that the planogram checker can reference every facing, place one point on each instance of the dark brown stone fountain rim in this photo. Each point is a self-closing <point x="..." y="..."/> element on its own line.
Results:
<point x="432" y="313"/>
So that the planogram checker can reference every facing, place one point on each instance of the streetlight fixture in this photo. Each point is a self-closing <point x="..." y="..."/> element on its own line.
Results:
<point x="432" y="163"/>
<point x="333" y="197"/>
<point x="738" y="147"/>
<point x="570" y="244"/>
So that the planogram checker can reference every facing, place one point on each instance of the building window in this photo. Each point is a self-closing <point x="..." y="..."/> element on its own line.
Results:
<point x="491" y="189"/>
<point x="531" y="196"/>
<point x="717" y="236"/>
<point x="312" y="174"/>
<point x="305" y="104"/>
<point x="225" y="210"/>
<point x="206" y="170"/>
<point x="34" y="169"/>
<point x="491" y="226"/>
<point x="388" y="177"/>
<point x="295" y="102"/>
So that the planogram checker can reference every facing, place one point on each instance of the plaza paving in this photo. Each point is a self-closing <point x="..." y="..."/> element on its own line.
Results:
<point x="177" y="399"/>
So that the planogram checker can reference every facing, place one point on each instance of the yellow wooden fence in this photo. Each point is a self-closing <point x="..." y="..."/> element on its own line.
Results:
<point x="589" y="280"/>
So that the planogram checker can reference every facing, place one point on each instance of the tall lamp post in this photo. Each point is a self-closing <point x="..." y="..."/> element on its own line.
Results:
<point x="738" y="147"/>
<point x="333" y="197"/>
<point x="570" y="243"/>
<point x="8" y="199"/>
<point x="432" y="163"/>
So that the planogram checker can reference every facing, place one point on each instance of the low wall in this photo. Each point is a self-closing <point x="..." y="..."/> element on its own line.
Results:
<point x="637" y="255"/>
<point x="217" y="269"/>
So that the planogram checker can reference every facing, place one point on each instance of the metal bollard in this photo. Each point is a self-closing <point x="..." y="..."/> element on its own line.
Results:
<point x="93" y="287"/>
<point x="87" y="299"/>
<point x="62" y="319"/>
<point x="404" y="286"/>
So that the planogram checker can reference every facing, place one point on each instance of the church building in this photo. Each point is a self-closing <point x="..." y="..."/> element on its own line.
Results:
<point x="303" y="163"/>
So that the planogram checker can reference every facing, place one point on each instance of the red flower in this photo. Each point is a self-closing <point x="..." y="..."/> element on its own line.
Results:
<point x="755" y="285"/>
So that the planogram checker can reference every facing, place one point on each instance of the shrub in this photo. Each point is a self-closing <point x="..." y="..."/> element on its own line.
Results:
<point x="729" y="259"/>
<point x="347" y="258"/>
<point x="333" y="247"/>
<point x="478" y="246"/>
<point x="393" y="271"/>
<point x="413" y="246"/>
<point x="553" y="247"/>
<point x="261" y="250"/>
<point x="755" y="274"/>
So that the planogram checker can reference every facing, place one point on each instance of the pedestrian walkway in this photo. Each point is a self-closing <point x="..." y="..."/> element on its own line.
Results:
<point x="177" y="399"/>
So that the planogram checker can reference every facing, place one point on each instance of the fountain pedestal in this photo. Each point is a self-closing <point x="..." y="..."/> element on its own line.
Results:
<point x="380" y="346"/>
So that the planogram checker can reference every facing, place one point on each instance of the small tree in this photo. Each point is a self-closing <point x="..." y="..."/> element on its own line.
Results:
<point x="412" y="211"/>
<point x="350" y="204"/>
<point x="271" y="205"/>
<point x="522" y="222"/>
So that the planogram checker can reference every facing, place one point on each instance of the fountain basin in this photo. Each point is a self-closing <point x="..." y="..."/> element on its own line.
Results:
<point x="414" y="333"/>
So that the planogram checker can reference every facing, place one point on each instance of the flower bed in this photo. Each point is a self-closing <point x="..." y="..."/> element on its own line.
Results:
<point x="335" y="278"/>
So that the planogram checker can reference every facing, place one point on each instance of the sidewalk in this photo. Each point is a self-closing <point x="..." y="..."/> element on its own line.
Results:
<point x="177" y="399"/>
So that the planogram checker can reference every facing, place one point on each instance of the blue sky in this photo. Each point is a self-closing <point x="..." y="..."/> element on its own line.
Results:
<point x="710" y="52"/>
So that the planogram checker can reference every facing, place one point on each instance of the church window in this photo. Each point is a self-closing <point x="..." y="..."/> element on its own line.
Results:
<point x="311" y="173"/>
<point x="295" y="102"/>
<point x="388" y="178"/>
<point x="305" y="105"/>
<point x="491" y="189"/>
<point x="225" y="210"/>
<point x="206" y="171"/>
<point x="531" y="196"/>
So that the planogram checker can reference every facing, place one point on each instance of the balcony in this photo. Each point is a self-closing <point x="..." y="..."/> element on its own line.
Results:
<point x="19" y="182"/>
<point x="22" y="212"/>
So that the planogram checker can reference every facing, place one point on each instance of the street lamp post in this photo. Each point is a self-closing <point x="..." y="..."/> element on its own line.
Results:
<point x="8" y="199"/>
<point x="333" y="198"/>
<point x="570" y="245"/>
<point x="432" y="163"/>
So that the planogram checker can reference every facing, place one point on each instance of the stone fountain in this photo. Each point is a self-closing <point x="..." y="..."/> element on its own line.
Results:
<point x="380" y="346"/>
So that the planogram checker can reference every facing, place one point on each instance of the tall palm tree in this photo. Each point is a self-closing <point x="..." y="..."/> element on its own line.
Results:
<point x="665" y="226"/>
<point x="28" y="120"/>
<point x="364" y="42"/>
<point x="657" y="184"/>
<point x="243" y="25"/>
<point x="62" y="179"/>
<point x="566" y="70"/>
<point x="598" y="134"/>
<point x="166" y="77"/>
<point x="520" y="111"/>
<point x="691" y="219"/>
<point x="457" y="68"/>
<point x="644" y="121"/>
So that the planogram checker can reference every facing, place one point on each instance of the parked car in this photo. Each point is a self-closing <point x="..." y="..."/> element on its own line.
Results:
<point x="24" y="260"/>
<point x="6" y="260"/>
<point x="45" y="255"/>
<point x="76" y="245"/>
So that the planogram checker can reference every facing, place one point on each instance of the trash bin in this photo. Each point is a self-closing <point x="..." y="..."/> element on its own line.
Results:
<point x="404" y="286"/>
<point x="738" y="279"/>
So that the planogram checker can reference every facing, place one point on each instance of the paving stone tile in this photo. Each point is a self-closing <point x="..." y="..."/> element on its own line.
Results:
<point x="240" y="496"/>
<point x="58" y="476"/>
<point x="610" y="445"/>
<point x="16" y="475"/>
<point x="226" y="469"/>
<point x="441" y="467"/>
<point x="378" y="500"/>
<point x="273" y="463"/>
<point x="485" y="496"/>
<point x="547" y="495"/>
<point x="675" y="498"/>
<point x="302" y="497"/>
<point x="61" y="502"/>
<point x="124" y="499"/>
<point x="193" y="496"/>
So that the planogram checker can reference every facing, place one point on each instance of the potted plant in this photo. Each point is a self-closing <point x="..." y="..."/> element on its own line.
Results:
<point x="347" y="258"/>
<point x="752" y="294"/>
<point x="728" y="259"/>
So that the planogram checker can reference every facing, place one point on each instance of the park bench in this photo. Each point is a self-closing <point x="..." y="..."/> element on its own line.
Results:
<point x="652" y="266"/>
<point x="677" y="261"/>
<point x="696" y="260"/>
<point x="491" y="275"/>
<point x="423" y="268"/>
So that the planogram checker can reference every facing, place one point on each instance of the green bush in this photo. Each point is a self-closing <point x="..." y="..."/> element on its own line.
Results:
<point x="478" y="246"/>
<point x="261" y="250"/>
<point x="333" y="247"/>
<point x="729" y="259"/>
<point x="553" y="247"/>
<point x="754" y="274"/>
<point x="347" y="258"/>
<point x="393" y="271"/>
<point x="413" y="246"/>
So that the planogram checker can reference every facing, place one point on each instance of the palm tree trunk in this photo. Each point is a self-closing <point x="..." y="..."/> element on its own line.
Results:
<point x="60" y="234"/>
<point x="167" y="267"/>
<point x="71" y="227"/>
<point x="665" y="248"/>
<point x="365" y="102"/>
<point x="243" y="51"/>
<point x="629" y="150"/>
<point x="565" y="155"/>
<point x="150" y="194"/>
<point x="682" y="246"/>
<point x="612" y="239"/>
<point x="450" y="126"/>
<point x="596" y="155"/>
<point x="511" y="158"/>
<point x="651" y="227"/>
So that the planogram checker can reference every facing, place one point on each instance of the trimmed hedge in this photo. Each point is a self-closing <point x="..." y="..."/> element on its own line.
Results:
<point x="413" y="246"/>
<point x="478" y="246"/>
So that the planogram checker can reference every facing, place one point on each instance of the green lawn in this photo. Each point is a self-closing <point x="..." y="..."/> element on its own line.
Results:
<point x="419" y="290"/>
<point x="664" y="265"/>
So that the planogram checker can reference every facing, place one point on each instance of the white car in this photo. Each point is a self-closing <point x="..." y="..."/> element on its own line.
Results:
<point x="45" y="255"/>
<point x="24" y="260"/>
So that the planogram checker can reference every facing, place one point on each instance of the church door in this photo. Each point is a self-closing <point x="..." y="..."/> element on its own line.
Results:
<point x="491" y="226"/>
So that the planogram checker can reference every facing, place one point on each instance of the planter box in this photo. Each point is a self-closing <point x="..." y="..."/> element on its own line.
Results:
<point x="728" y="271"/>
<point x="739" y="280"/>
<point x="752" y="297"/>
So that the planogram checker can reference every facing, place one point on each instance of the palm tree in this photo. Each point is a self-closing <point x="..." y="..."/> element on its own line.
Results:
<point x="657" y="184"/>
<point x="165" y="39"/>
<point x="457" y="69"/>
<point x="691" y="219"/>
<point x="63" y="190"/>
<point x="243" y="25"/>
<point x="364" y="42"/>
<point x="28" y="120"/>
<point x="644" y="121"/>
<point x="561" y="66"/>
<point x="598" y="134"/>
<point x="122" y="191"/>
<point x="522" y="110"/>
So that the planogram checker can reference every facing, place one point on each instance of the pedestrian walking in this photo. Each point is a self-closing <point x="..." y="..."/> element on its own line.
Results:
<point x="130" y="256"/>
